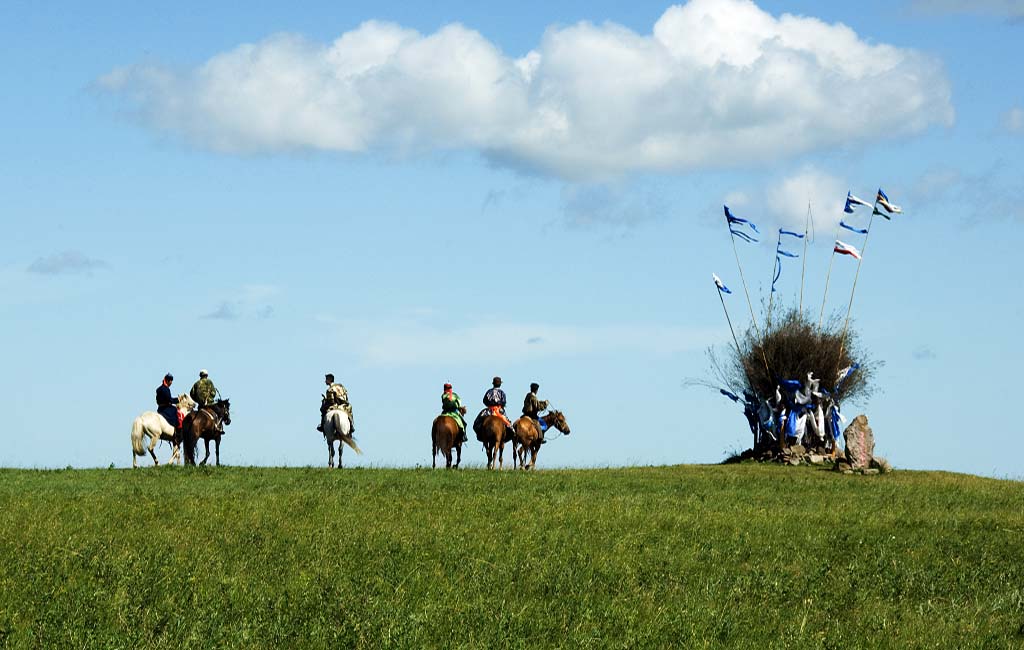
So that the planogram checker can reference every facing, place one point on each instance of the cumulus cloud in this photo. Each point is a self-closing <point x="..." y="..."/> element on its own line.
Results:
<point x="1013" y="121"/>
<point x="717" y="83"/>
<point x="66" y="263"/>
<point x="786" y="197"/>
<point x="1013" y="9"/>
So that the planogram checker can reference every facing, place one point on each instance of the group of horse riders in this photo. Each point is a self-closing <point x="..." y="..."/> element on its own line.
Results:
<point x="494" y="404"/>
<point x="203" y="393"/>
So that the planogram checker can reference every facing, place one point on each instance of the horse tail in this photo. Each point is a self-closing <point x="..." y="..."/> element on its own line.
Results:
<point x="188" y="440"/>
<point x="345" y="437"/>
<point x="137" y="431"/>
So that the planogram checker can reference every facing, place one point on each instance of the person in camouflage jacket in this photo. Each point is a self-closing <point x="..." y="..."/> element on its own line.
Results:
<point x="203" y="392"/>
<point x="335" y="397"/>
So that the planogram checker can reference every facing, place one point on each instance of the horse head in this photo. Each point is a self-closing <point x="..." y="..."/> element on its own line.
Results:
<point x="557" y="420"/>
<point x="223" y="409"/>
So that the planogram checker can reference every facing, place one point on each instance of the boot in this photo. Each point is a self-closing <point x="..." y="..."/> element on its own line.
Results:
<point x="320" y="427"/>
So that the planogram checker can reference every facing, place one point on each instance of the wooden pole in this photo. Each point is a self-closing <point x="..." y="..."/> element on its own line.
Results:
<point x="803" y="270"/>
<point x="849" y="307"/>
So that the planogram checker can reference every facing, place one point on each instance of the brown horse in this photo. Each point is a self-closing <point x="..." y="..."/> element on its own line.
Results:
<point x="206" y="424"/>
<point x="529" y="438"/>
<point x="494" y="433"/>
<point x="444" y="434"/>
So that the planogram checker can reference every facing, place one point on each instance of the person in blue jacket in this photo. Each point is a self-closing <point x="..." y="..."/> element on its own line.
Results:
<point x="165" y="402"/>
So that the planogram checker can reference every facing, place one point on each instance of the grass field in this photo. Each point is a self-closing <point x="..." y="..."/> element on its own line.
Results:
<point x="691" y="556"/>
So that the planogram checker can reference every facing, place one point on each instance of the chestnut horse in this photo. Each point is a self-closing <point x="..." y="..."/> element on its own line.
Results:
<point x="529" y="438"/>
<point x="444" y="435"/>
<point x="206" y="424"/>
<point x="494" y="433"/>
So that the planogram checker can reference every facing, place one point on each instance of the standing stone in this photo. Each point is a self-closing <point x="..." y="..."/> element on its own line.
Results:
<point x="860" y="443"/>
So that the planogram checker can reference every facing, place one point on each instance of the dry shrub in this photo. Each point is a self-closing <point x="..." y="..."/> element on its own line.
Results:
<point x="791" y="346"/>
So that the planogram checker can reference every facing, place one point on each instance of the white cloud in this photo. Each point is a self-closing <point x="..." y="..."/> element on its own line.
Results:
<point x="788" y="198"/>
<point x="1013" y="120"/>
<point x="418" y="343"/>
<point x="718" y="83"/>
<point x="785" y="198"/>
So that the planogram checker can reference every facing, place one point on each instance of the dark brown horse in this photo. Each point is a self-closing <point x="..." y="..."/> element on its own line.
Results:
<point x="206" y="424"/>
<point x="494" y="433"/>
<point x="444" y="434"/>
<point x="529" y="438"/>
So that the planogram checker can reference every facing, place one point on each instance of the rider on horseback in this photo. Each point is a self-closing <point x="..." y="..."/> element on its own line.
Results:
<point x="204" y="393"/>
<point x="494" y="401"/>
<point x="165" y="402"/>
<point x="335" y="397"/>
<point x="532" y="406"/>
<point x="452" y="406"/>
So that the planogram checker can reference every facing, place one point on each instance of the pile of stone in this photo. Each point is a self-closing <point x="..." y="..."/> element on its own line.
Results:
<point x="859" y="457"/>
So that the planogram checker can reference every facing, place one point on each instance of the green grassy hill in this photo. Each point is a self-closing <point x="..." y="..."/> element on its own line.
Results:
<point x="693" y="556"/>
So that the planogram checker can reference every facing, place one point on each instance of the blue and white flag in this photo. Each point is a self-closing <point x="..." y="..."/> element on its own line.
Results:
<point x="721" y="285"/>
<point x="740" y="222"/>
<point x="786" y="253"/>
<point x="862" y="231"/>
<point x="798" y="235"/>
<point x="883" y="201"/>
<point x="851" y="201"/>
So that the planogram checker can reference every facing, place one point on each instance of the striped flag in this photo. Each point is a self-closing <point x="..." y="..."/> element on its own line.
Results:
<point x="883" y="201"/>
<point x="721" y="285"/>
<point x="846" y="249"/>
<point x="851" y="201"/>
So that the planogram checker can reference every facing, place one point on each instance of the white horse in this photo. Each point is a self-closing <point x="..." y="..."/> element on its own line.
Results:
<point x="337" y="427"/>
<point x="154" y="425"/>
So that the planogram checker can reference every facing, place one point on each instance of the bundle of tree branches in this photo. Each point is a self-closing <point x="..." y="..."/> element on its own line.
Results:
<point x="789" y="349"/>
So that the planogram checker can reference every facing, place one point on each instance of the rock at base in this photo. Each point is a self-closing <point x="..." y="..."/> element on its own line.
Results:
<point x="860" y="443"/>
<point x="881" y="464"/>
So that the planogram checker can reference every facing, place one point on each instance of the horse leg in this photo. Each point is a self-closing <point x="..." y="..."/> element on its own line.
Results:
<point x="341" y="452"/>
<point x="330" y="448"/>
<point x="206" y="442"/>
<point x="458" y="451"/>
<point x="534" y="448"/>
<point x="490" y="454"/>
<point x="501" y="454"/>
<point x="216" y="446"/>
<point x="433" y="453"/>
<point x="448" y="455"/>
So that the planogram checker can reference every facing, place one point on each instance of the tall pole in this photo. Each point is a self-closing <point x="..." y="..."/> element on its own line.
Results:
<point x="803" y="270"/>
<point x="739" y="353"/>
<point x="828" y="275"/>
<point x="753" y="318"/>
<point x="771" y="292"/>
<point x="863" y="247"/>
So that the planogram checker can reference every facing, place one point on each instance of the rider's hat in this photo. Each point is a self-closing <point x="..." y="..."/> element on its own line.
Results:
<point x="534" y="386"/>
<point x="447" y="386"/>
<point x="203" y="373"/>
<point x="496" y="381"/>
<point x="169" y="377"/>
<point x="329" y="376"/>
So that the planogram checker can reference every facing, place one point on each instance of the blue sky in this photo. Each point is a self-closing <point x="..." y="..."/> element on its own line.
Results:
<point x="408" y="195"/>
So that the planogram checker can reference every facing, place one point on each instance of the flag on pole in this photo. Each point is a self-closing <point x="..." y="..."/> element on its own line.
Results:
<point x="791" y="233"/>
<point x="733" y="396"/>
<point x="851" y="201"/>
<point x="883" y="201"/>
<point x="862" y="231"/>
<point x="846" y="249"/>
<point x="721" y="285"/>
<point x="740" y="222"/>
<point x="786" y="253"/>
<point x="780" y="253"/>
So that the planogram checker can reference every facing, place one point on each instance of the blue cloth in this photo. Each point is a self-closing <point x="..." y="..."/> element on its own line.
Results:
<point x="495" y="397"/>
<point x="165" y="402"/>
<point x="170" y="414"/>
